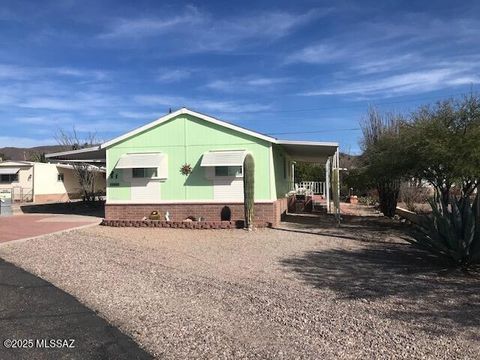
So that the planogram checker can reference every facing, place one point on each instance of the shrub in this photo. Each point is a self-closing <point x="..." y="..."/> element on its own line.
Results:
<point x="453" y="232"/>
<point x="412" y="194"/>
<point x="366" y="200"/>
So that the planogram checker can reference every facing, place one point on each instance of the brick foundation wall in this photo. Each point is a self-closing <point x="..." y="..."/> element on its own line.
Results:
<point x="266" y="214"/>
<point x="281" y="208"/>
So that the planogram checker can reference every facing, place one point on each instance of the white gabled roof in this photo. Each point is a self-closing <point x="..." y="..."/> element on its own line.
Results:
<point x="185" y="111"/>
<point x="97" y="153"/>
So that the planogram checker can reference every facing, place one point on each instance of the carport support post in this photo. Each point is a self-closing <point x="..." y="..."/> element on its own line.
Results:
<point x="336" y="184"/>
<point x="327" y="183"/>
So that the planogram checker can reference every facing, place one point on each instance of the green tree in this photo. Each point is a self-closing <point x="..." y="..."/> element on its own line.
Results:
<point x="444" y="142"/>
<point x="309" y="172"/>
<point x="37" y="157"/>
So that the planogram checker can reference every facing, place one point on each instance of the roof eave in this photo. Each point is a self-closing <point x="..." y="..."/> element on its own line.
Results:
<point x="73" y="152"/>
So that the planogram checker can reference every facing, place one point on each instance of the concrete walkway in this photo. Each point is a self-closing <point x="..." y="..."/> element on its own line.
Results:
<point x="31" y="308"/>
<point x="27" y="226"/>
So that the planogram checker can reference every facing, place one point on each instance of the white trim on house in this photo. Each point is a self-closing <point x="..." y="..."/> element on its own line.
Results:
<point x="307" y="143"/>
<point x="8" y="163"/>
<point x="185" y="111"/>
<point x="271" y="175"/>
<point x="73" y="152"/>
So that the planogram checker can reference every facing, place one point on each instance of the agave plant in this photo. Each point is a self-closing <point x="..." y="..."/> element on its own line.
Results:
<point x="453" y="231"/>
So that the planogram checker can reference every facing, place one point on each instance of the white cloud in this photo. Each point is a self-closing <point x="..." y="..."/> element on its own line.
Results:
<point x="394" y="58"/>
<point x="8" y="71"/>
<point x="43" y="120"/>
<point x="199" y="31"/>
<point x="246" y="84"/>
<point x="319" y="54"/>
<point x="152" y="26"/>
<point x="139" y="114"/>
<point x="406" y="83"/>
<point x="25" y="141"/>
<point x="173" y="75"/>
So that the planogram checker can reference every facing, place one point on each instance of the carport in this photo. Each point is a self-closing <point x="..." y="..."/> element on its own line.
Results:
<point x="94" y="155"/>
<point x="326" y="153"/>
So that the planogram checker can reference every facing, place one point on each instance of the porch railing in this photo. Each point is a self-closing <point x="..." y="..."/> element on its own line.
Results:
<point x="314" y="187"/>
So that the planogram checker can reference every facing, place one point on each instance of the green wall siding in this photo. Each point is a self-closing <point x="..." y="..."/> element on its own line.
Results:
<point x="184" y="139"/>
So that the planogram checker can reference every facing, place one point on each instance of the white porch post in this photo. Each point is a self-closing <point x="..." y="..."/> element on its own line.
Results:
<point x="327" y="183"/>
<point x="336" y="182"/>
<point x="292" y="186"/>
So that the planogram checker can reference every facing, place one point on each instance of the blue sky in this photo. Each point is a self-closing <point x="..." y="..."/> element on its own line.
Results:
<point x="302" y="70"/>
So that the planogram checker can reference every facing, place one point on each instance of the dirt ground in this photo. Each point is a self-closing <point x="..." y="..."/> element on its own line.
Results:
<point x="308" y="290"/>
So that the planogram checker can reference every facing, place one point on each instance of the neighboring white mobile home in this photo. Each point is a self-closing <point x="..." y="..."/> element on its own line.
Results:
<point x="25" y="181"/>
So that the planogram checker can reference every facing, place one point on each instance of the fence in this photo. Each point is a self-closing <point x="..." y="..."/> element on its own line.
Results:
<point x="315" y="187"/>
<point x="21" y="194"/>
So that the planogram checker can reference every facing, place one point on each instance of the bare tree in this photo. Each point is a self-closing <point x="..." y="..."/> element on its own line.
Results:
<point x="381" y="160"/>
<point x="86" y="173"/>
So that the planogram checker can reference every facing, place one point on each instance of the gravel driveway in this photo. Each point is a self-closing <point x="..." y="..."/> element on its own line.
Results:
<point x="264" y="294"/>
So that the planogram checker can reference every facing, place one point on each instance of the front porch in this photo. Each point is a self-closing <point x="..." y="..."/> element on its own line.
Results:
<point x="314" y="196"/>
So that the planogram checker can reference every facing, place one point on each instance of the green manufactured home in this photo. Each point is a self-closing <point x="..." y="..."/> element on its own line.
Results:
<point x="190" y="164"/>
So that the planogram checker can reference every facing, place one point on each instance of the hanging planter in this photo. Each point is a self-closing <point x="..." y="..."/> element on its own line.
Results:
<point x="186" y="169"/>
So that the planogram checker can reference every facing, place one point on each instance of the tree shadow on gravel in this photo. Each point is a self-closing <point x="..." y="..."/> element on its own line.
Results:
<point x="70" y="208"/>
<point x="427" y="293"/>
<point x="361" y="228"/>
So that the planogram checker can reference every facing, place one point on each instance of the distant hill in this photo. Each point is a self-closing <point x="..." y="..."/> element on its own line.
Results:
<point x="14" y="153"/>
<point x="349" y="161"/>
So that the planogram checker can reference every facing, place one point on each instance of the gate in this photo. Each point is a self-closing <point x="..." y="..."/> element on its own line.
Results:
<point x="5" y="202"/>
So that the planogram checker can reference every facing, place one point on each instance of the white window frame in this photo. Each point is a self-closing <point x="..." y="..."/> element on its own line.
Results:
<point x="237" y="175"/>
<point x="154" y="175"/>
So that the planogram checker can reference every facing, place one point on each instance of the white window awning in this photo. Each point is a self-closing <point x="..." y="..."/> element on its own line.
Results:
<point x="140" y="160"/>
<point x="145" y="160"/>
<point x="9" y="171"/>
<point x="223" y="158"/>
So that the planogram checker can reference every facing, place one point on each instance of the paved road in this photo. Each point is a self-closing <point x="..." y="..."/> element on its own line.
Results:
<point x="25" y="226"/>
<point x="31" y="308"/>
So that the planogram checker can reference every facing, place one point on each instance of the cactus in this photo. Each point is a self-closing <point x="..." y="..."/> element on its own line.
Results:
<point x="248" y="190"/>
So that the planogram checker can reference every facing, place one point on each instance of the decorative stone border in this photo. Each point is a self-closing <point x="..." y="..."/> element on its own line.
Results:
<point x="180" y="224"/>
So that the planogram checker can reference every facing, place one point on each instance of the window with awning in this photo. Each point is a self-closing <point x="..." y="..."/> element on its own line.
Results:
<point x="156" y="161"/>
<point x="9" y="171"/>
<point x="9" y="175"/>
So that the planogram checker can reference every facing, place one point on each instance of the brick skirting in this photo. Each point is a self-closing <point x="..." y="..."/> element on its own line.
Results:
<point x="266" y="214"/>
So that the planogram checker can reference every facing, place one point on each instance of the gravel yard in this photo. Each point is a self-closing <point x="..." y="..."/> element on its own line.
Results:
<point x="269" y="293"/>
